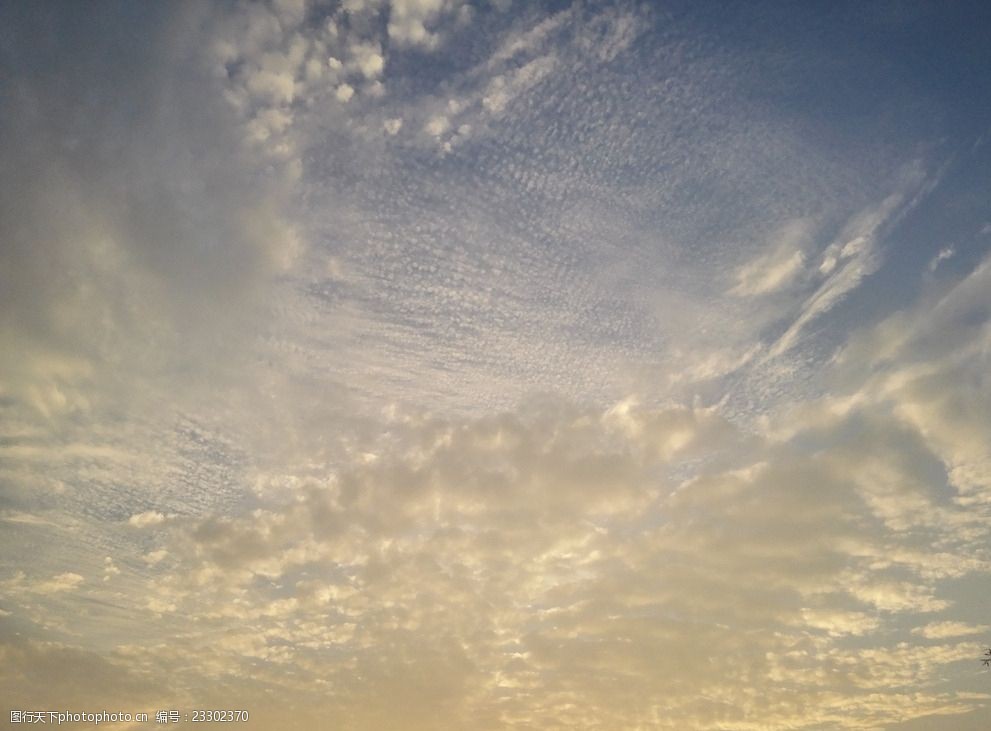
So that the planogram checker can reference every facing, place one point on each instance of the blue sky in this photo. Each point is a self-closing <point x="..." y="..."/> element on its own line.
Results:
<point x="449" y="364"/>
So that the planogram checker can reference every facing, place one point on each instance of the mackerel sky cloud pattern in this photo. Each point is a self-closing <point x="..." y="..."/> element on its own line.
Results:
<point x="468" y="364"/>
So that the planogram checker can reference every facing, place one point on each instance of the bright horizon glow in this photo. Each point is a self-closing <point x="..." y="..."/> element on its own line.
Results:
<point x="469" y="364"/>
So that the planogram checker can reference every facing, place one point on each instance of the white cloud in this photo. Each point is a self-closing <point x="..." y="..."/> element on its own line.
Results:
<point x="437" y="125"/>
<point x="60" y="583"/>
<point x="290" y="12"/>
<point x="154" y="557"/>
<point x="411" y="22"/>
<point x="24" y="518"/>
<point x="838" y="622"/>
<point x="145" y="519"/>
<point x="503" y="89"/>
<point x="531" y="39"/>
<point x="944" y="254"/>
<point x="110" y="569"/>
<point x="368" y="59"/>
<point x="609" y="33"/>
<point x="948" y="629"/>
<point x="779" y="266"/>
<point x="853" y="256"/>
<point x="274" y="87"/>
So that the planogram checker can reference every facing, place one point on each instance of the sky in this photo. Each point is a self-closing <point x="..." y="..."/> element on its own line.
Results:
<point x="489" y="364"/>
